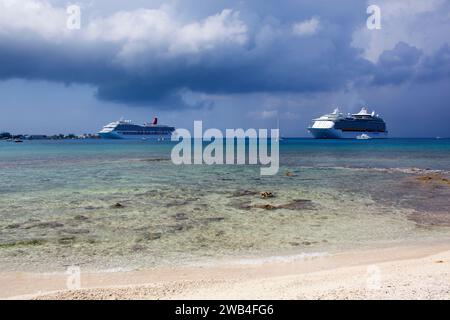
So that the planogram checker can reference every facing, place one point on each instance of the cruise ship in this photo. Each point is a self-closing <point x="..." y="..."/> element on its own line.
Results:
<point x="125" y="129"/>
<point x="361" y="125"/>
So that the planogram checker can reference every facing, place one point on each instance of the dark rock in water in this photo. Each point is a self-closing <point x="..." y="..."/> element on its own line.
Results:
<point x="430" y="218"/>
<point x="118" y="205"/>
<point x="13" y="226"/>
<point x="75" y="231"/>
<point x="152" y="235"/>
<point x="267" y="206"/>
<point x="299" y="204"/>
<point x="175" y="228"/>
<point x="26" y="242"/>
<point x="241" y="193"/>
<point x="44" y="225"/>
<point x="137" y="248"/>
<point x="437" y="178"/>
<point x="242" y="205"/>
<point x="66" y="240"/>
<point x="80" y="218"/>
<point x="309" y="243"/>
<point x="177" y="203"/>
<point x="180" y="216"/>
<point x="266" y="194"/>
<point x="149" y="193"/>
<point x="212" y="219"/>
<point x="92" y="208"/>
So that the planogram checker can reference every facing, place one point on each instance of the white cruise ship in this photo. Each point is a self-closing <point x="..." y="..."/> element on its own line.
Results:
<point x="352" y="126"/>
<point x="125" y="129"/>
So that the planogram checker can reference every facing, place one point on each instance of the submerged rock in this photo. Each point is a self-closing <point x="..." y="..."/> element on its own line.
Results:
<point x="44" y="225"/>
<point x="267" y="206"/>
<point x="177" y="203"/>
<point x="137" y="248"/>
<point x="80" y="218"/>
<point x="289" y="174"/>
<point x="175" y="228"/>
<point x="66" y="240"/>
<point x="299" y="204"/>
<point x="92" y="208"/>
<point x="118" y="205"/>
<point x="266" y="194"/>
<point x="434" y="178"/>
<point x="75" y="231"/>
<point x="152" y="236"/>
<point x="212" y="219"/>
<point x="26" y="242"/>
<point x="13" y="226"/>
<point x="180" y="216"/>
<point x="241" y="193"/>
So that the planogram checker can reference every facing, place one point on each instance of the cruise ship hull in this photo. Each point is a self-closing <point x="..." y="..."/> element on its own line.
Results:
<point x="331" y="133"/>
<point x="120" y="136"/>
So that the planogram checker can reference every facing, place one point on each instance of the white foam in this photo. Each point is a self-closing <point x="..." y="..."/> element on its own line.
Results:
<point x="281" y="259"/>
<point x="410" y="170"/>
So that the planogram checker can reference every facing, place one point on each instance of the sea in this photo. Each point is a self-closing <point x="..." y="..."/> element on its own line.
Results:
<point x="123" y="205"/>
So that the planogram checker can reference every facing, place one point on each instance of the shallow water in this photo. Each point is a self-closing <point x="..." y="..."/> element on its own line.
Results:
<point x="58" y="202"/>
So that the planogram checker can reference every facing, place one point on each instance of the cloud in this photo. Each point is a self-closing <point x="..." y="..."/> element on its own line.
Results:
<point x="156" y="30"/>
<point x="436" y="66"/>
<point x="306" y="28"/>
<point x="422" y="24"/>
<point x="406" y="63"/>
<point x="268" y="114"/>
<point x="159" y="55"/>
<point x="397" y="65"/>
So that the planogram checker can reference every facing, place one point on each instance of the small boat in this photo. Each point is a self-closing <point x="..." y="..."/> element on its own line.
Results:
<point x="363" y="137"/>
<point x="18" y="141"/>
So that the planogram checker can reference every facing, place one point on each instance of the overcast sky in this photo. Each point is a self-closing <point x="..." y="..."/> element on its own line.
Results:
<point x="229" y="63"/>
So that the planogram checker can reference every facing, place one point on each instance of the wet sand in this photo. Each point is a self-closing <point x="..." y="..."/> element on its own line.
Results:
<point x="420" y="271"/>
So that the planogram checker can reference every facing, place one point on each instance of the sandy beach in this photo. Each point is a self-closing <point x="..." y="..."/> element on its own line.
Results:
<point x="402" y="272"/>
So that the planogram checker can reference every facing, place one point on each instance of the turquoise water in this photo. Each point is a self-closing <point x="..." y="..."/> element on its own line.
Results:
<point x="58" y="202"/>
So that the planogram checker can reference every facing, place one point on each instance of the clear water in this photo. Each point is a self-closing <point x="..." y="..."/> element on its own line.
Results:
<point x="57" y="202"/>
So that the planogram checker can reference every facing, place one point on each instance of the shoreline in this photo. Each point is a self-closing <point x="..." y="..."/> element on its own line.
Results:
<point x="410" y="271"/>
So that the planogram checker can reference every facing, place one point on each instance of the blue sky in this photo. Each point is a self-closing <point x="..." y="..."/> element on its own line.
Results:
<point x="228" y="63"/>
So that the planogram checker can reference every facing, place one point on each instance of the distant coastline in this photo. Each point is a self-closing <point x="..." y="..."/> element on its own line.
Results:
<point x="10" y="137"/>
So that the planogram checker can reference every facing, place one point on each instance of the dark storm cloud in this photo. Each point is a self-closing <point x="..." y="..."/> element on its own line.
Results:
<point x="397" y="65"/>
<point x="436" y="66"/>
<point x="406" y="63"/>
<point x="272" y="58"/>
<point x="257" y="51"/>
